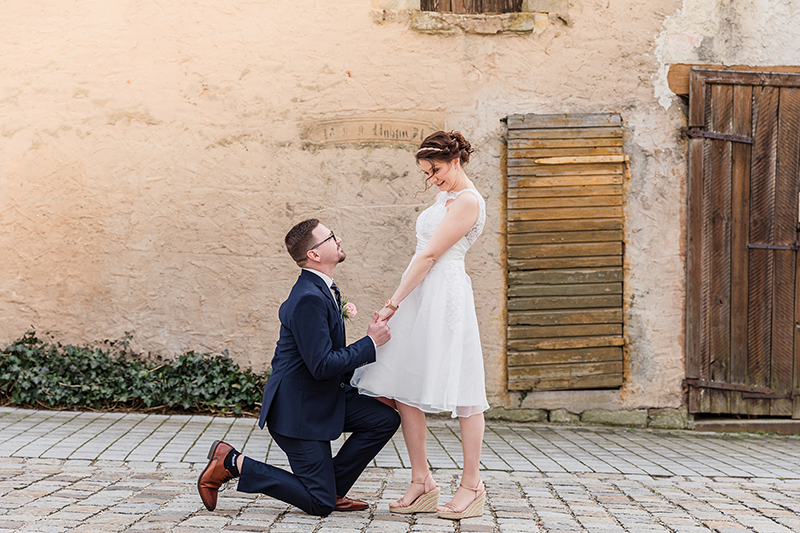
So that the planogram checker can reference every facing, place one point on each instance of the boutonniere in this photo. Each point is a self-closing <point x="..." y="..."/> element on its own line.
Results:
<point x="348" y="310"/>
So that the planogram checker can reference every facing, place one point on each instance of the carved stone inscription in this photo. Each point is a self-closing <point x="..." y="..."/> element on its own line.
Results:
<point x="372" y="129"/>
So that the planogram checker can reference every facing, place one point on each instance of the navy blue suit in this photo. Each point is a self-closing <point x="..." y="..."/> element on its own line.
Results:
<point x="308" y="402"/>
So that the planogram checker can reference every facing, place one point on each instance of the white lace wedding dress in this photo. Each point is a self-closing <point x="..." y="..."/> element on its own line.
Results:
<point x="434" y="360"/>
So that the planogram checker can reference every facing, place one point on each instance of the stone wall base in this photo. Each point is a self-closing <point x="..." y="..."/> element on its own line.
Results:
<point x="638" y="418"/>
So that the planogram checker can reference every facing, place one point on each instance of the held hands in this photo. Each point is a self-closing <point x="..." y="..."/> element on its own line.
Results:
<point x="379" y="327"/>
<point x="385" y="314"/>
<point x="379" y="330"/>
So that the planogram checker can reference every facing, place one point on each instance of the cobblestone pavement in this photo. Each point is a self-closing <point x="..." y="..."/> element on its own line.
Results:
<point x="93" y="472"/>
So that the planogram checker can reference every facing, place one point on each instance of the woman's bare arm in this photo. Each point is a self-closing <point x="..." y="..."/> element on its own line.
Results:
<point x="462" y="213"/>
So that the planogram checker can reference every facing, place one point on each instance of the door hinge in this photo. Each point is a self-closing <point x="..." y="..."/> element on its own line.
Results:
<point x="697" y="132"/>
<point x="764" y="396"/>
<point x="719" y="385"/>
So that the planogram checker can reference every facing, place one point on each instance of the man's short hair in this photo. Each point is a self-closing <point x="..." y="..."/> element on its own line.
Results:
<point x="300" y="239"/>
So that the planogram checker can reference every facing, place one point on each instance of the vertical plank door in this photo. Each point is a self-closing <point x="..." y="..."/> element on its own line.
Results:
<point x="565" y="251"/>
<point x="742" y="243"/>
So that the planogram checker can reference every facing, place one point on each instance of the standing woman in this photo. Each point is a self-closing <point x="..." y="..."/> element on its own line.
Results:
<point x="434" y="361"/>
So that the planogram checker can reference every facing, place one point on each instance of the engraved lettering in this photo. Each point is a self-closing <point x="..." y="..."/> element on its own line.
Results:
<point x="358" y="130"/>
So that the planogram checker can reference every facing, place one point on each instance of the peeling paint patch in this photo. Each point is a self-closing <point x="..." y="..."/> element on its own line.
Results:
<point x="685" y="41"/>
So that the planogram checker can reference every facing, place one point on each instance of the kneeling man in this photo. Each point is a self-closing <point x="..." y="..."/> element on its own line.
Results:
<point x="308" y="400"/>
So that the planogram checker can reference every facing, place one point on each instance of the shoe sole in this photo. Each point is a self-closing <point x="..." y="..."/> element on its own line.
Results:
<point x="213" y="449"/>
<point x="425" y="503"/>
<point x="351" y="510"/>
<point x="473" y="509"/>
<point x="210" y="455"/>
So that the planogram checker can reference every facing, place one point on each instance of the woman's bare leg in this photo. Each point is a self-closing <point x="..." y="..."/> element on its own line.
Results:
<point x="415" y="431"/>
<point x="472" y="428"/>
<point x="387" y="401"/>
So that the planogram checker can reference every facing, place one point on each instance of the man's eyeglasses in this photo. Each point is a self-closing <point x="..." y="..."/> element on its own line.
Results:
<point x="320" y="243"/>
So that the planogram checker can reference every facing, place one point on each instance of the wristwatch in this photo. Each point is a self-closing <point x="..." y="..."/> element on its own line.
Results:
<point x="390" y="305"/>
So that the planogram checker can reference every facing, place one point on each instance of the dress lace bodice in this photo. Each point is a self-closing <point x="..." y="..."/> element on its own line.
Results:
<point x="429" y="220"/>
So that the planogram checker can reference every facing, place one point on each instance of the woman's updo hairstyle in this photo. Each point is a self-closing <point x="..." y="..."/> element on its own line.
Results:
<point x="445" y="146"/>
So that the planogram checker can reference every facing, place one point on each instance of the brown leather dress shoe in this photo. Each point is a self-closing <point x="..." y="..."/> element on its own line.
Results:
<point x="343" y="503"/>
<point x="214" y="475"/>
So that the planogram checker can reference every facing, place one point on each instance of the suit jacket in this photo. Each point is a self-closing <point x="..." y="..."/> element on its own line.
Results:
<point x="311" y="370"/>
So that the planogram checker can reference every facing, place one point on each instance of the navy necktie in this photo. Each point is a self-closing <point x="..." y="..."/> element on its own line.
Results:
<point x="336" y="292"/>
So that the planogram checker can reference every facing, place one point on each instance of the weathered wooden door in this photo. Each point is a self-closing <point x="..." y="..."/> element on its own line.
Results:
<point x="742" y="268"/>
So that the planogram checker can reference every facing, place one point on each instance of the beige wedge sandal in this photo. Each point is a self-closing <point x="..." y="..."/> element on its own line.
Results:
<point x="470" y="511"/>
<point x="427" y="502"/>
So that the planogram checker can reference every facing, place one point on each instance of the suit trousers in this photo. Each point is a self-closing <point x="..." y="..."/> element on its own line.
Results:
<point x="317" y="477"/>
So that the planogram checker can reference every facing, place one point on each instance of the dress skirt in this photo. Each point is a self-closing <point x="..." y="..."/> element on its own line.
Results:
<point x="434" y="359"/>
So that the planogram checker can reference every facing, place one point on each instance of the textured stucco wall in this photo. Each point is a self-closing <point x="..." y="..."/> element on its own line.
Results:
<point x="728" y="32"/>
<point x="152" y="161"/>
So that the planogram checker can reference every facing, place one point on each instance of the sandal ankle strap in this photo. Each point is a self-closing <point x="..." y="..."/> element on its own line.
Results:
<point x="475" y="490"/>
<point x="423" y="481"/>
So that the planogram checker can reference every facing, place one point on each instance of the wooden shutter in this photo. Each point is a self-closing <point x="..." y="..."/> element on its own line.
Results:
<point x="565" y="249"/>
<point x="472" y="6"/>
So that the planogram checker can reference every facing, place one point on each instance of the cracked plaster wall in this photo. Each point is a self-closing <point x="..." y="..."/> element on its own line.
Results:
<point x="728" y="32"/>
<point x="153" y="161"/>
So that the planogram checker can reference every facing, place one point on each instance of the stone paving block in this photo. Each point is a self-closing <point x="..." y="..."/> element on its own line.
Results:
<point x="476" y="528"/>
<point x="291" y="528"/>
<point x="384" y="527"/>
